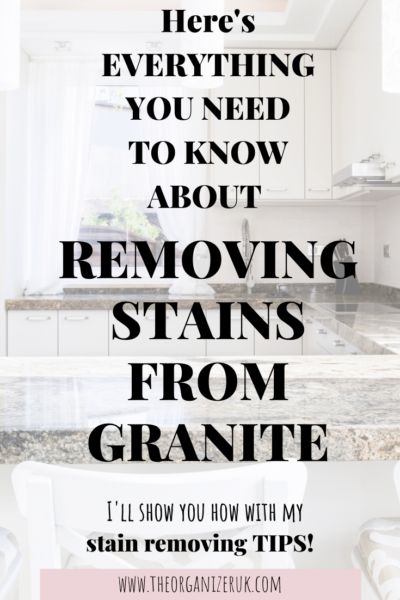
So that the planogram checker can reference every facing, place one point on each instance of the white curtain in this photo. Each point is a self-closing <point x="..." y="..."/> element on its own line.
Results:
<point x="60" y="108"/>
<point x="187" y="224"/>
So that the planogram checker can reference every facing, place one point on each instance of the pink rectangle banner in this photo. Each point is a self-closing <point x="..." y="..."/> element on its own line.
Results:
<point x="63" y="584"/>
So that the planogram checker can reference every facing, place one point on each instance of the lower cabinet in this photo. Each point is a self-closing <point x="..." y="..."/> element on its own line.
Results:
<point x="318" y="339"/>
<point x="89" y="333"/>
<point x="57" y="333"/>
<point x="83" y="333"/>
<point x="32" y="333"/>
<point x="252" y="343"/>
<point x="234" y="347"/>
<point x="314" y="338"/>
<point x="146" y="345"/>
<point x="275" y="346"/>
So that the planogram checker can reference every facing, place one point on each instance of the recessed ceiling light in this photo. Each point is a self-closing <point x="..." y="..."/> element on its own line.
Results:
<point x="62" y="46"/>
<point x="153" y="45"/>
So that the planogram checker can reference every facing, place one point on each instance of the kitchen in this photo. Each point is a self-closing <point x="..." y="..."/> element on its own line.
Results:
<point x="71" y="178"/>
<point x="324" y="106"/>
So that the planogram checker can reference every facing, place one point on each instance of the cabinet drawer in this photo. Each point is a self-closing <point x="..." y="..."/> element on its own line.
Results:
<point x="32" y="333"/>
<point x="83" y="333"/>
<point x="144" y="345"/>
<point x="337" y="345"/>
<point x="312" y="337"/>
<point x="233" y="347"/>
<point x="322" y="340"/>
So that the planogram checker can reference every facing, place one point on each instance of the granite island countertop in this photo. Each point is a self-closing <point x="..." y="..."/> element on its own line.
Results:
<point x="49" y="406"/>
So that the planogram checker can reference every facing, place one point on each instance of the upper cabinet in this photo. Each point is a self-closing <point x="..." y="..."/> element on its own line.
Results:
<point x="305" y="173"/>
<point x="286" y="180"/>
<point x="235" y="131"/>
<point x="357" y="90"/>
<point x="318" y="128"/>
<point x="366" y="120"/>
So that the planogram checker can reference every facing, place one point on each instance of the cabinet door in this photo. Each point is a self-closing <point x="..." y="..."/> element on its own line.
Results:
<point x="334" y="344"/>
<point x="318" y="128"/>
<point x="311" y="338"/>
<point x="32" y="333"/>
<point x="284" y="181"/>
<point x="144" y="345"/>
<point x="273" y="346"/>
<point x="83" y="333"/>
<point x="390" y="118"/>
<point x="234" y="131"/>
<point x="233" y="347"/>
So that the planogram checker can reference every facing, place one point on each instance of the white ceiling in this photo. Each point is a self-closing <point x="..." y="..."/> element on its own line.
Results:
<point x="92" y="27"/>
<point x="251" y="5"/>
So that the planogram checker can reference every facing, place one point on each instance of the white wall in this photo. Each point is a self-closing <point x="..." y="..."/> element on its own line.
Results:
<point x="357" y="89"/>
<point x="366" y="120"/>
<point x="3" y="147"/>
<point x="299" y="224"/>
<point x="16" y="181"/>
<point x="387" y="232"/>
<point x="12" y="192"/>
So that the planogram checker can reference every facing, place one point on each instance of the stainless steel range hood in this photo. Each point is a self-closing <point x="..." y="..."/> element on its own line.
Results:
<point x="369" y="172"/>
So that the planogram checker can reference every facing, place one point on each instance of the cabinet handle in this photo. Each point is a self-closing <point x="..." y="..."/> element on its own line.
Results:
<point x="277" y="189"/>
<point x="38" y="318"/>
<point x="152" y="317"/>
<point x="339" y="343"/>
<point x="322" y="331"/>
<point x="319" y="189"/>
<point x="77" y="318"/>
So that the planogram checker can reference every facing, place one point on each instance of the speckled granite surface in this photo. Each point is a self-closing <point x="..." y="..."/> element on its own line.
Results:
<point x="49" y="406"/>
<point x="370" y="321"/>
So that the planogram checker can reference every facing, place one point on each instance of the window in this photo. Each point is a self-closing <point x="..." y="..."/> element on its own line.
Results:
<point x="115" y="206"/>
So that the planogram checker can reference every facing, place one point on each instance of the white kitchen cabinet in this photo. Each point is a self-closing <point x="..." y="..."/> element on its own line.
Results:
<point x="315" y="339"/>
<point x="390" y="147"/>
<point x="83" y="333"/>
<point x="273" y="346"/>
<point x="234" y="347"/>
<point x="330" y="342"/>
<point x="32" y="333"/>
<point x="234" y="131"/>
<point x="366" y="119"/>
<point x="319" y="339"/>
<point x="284" y="181"/>
<point x="146" y="345"/>
<point x="318" y="128"/>
<point x="306" y="168"/>
<point x="313" y="333"/>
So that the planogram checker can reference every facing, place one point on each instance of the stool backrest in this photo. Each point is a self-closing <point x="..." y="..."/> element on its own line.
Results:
<point x="10" y="564"/>
<point x="63" y="505"/>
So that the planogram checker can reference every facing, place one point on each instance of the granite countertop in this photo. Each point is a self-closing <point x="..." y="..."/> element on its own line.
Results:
<point x="49" y="406"/>
<point x="370" y="320"/>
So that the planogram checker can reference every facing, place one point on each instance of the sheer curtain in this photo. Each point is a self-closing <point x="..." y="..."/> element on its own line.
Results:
<point x="182" y="225"/>
<point x="60" y="108"/>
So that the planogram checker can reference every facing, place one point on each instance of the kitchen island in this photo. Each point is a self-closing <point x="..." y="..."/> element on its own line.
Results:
<point x="49" y="406"/>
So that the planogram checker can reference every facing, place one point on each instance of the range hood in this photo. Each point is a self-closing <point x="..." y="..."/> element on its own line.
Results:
<point x="368" y="172"/>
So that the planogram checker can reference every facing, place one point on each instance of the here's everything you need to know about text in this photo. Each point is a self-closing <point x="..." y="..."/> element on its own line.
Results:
<point x="120" y="259"/>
